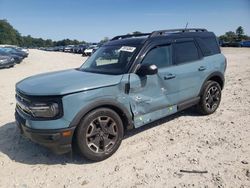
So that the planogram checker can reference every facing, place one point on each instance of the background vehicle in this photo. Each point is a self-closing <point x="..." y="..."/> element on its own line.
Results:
<point x="68" y="48"/>
<point x="14" y="51"/>
<point x="6" y="61"/>
<point x="91" y="49"/>
<point x="230" y="44"/>
<point x="17" y="58"/>
<point x="129" y="82"/>
<point x="26" y="50"/>
<point x="245" y="43"/>
<point x="79" y="49"/>
<point x="16" y="47"/>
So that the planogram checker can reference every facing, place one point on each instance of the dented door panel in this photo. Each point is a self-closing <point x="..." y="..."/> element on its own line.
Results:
<point x="148" y="99"/>
<point x="140" y="120"/>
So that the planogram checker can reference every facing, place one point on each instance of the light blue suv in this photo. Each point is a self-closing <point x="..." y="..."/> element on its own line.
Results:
<point x="130" y="81"/>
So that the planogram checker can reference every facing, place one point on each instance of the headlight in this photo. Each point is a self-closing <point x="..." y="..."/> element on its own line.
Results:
<point x="39" y="108"/>
<point x="44" y="110"/>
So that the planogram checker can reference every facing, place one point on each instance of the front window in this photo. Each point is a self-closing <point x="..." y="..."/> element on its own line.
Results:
<point x="161" y="56"/>
<point x="110" y="60"/>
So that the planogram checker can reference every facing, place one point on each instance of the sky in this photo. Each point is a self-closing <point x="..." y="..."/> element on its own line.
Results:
<point x="92" y="20"/>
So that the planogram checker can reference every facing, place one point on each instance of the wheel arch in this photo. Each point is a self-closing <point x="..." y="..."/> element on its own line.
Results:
<point x="119" y="108"/>
<point x="217" y="77"/>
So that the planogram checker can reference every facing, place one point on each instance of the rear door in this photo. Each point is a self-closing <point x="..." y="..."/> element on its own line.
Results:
<point x="184" y="78"/>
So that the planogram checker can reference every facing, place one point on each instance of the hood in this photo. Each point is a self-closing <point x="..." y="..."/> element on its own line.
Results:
<point x="64" y="82"/>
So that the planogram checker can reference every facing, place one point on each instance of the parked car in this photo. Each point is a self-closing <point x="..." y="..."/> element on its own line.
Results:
<point x="130" y="81"/>
<point x="91" y="49"/>
<point x="6" y="61"/>
<point x="50" y="49"/>
<point x="58" y="48"/>
<point x="79" y="49"/>
<point x="15" y="51"/>
<point x="26" y="50"/>
<point x="17" y="58"/>
<point x="230" y="44"/>
<point x="245" y="43"/>
<point x="16" y="47"/>
<point x="75" y="48"/>
<point x="69" y="48"/>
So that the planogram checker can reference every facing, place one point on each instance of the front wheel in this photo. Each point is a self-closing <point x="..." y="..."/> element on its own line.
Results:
<point x="99" y="134"/>
<point x="210" y="98"/>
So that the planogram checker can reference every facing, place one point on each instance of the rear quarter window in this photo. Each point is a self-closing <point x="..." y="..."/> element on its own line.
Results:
<point x="209" y="46"/>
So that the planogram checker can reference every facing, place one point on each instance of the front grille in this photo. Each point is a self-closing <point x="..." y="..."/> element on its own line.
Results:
<point x="22" y="103"/>
<point x="22" y="97"/>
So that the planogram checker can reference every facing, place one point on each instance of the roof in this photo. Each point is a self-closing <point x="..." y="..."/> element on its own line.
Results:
<point x="136" y="39"/>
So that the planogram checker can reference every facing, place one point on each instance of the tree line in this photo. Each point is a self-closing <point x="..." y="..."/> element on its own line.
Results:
<point x="9" y="35"/>
<point x="236" y="36"/>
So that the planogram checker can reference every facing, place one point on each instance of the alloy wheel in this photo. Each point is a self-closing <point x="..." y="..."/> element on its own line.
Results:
<point x="102" y="134"/>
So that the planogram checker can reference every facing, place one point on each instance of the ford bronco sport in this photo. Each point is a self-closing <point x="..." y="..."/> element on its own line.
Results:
<point x="130" y="81"/>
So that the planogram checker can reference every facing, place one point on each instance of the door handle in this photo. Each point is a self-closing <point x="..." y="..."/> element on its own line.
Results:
<point x="202" y="68"/>
<point x="169" y="76"/>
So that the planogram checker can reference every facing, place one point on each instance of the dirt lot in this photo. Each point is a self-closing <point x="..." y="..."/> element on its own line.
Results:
<point x="151" y="156"/>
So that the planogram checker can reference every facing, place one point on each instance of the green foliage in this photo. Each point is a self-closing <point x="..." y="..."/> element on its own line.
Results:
<point x="239" y="31"/>
<point x="66" y="42"/>
<point x="8" y="35"/>
<point x="231" y="36"/>
<point x="105" y="39"/>
<point x="134" y="33"/>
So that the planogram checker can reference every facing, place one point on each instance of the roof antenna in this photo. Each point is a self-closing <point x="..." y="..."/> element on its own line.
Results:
<point x="186" y="25"/>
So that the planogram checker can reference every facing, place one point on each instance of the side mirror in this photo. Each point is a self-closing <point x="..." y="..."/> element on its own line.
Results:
<point x="147" y="69"/>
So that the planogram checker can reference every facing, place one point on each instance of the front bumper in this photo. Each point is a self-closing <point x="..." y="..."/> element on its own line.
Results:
<point x="58" y="140"/>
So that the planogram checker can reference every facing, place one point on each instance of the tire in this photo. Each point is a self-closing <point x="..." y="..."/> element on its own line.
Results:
<point x="210" y="98"/>
<point x="99" y="134"/>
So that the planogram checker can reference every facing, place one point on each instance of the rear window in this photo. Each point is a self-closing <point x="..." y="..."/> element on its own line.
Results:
<point x="208" y="45"/>
<point x="185" y="52"/>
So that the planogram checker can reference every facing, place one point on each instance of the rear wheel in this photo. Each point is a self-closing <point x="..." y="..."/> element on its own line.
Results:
<point x="210" y="98"/>
<point x="99" y="134"/>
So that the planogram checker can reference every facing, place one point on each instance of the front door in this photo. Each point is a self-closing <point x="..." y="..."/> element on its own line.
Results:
<point x="148" y="95"/>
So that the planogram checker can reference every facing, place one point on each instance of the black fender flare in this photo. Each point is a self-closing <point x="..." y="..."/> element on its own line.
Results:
<point x="109" y="103"/>
<point x="214" y="74"/>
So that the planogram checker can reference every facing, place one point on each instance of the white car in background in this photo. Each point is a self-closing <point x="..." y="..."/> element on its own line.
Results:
<point x="91" y="49"/>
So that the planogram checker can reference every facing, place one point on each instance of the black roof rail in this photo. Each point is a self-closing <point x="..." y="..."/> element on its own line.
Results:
<point x="130" y="35"/>
<point x="161" y="32"/>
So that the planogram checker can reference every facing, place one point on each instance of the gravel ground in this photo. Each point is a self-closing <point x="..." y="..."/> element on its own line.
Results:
<point x="151" y="156"/>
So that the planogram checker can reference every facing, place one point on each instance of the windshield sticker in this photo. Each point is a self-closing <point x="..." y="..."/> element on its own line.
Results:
<point x="127" y="49"/>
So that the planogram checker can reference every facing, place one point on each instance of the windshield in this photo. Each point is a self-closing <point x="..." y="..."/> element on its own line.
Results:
<point x="110" y="60"/>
